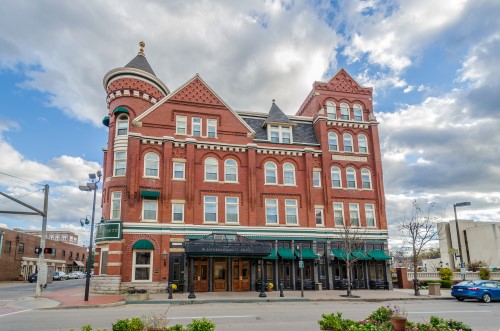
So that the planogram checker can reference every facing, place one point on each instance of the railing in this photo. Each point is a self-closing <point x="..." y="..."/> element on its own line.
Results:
<point x="456" y="275"/>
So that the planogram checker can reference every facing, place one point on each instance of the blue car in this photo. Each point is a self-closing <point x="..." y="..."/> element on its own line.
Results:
<point x="482" y="290"/>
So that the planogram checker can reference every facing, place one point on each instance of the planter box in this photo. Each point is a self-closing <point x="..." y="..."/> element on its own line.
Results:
<point x="136" y="297"/>
<point x="434" y="289"/>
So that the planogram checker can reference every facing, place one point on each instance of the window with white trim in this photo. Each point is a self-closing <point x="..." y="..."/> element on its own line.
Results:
<point x="180" y="124"/>
<point x="338" y="213"/>
<point x="358" y="112"/>
<point x="351" y="178"/>
<point x="271" y="211"/>
<point x="151" y="165"/>
<point x="344" y="111"/>
<point x="122" y="125"/>
<point x="196" y="126"/>
<point x="211" y="128"/>
<point x="116" y="205"/>
<point x="362" y="144"/>
<point x="331" y="110"/>
<point x="319" y="216"/>
<point x="271" y="172"/>
<point x="232" y="210"/>
<point x="336" y="178"/>
<point x="280" y="134"/>
<point x="291" y="212"/>
<point x="178" y="212"/>
<point x="316" y="178"/>
<point x="120" y="163"/>
<point x="211" y="169"/>
<point x="370" y="214"/>
<point x="333" y="141"/>
<point x="149" y="210"/>
<point x="348" y="142"/>
<point x="366" y="179"/>
<point x="210" y="209"/>
<point x="230" y="171"/>
<point x="179" y="170"/>
<point x="354" y="214"/>
<point x="142" y="266"/>
<point x="288" y="174"/>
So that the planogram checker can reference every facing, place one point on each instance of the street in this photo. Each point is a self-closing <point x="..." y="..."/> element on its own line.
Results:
<point x="15" y="291"/>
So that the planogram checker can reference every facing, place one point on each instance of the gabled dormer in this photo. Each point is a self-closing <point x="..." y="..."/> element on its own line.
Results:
<point x="279" y="127"/>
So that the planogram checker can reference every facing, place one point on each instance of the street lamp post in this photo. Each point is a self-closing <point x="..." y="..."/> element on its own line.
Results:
<point x="462" y="265"/>
<point x="91" y="186"/>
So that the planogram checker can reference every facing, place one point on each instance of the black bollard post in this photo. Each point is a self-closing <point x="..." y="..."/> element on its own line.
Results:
<point x="281" y="290"/>
<point x="170" y="290"/>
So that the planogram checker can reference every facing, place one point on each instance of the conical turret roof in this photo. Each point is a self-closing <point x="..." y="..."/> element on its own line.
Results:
<point x="140" y="62"/>
<point x="276" y="115"/>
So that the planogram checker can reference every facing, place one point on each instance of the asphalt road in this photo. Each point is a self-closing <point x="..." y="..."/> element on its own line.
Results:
<point x="280" y="316"/>
<point x="15" y="291"/>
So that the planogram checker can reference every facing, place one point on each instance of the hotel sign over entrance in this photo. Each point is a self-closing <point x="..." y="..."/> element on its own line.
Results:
<point x="226" y="245"/>
<point x="109" y="231"/>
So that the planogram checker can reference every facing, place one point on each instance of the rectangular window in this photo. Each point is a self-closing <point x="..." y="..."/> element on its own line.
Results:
<point x="275" y="134"/>
<point x="20" y="248"/>
<point x="354" y="214"/>
<point x="338" y="213"/>
<point x="150" y="210"/>
<point x="211" y="128"/>
<point x="180" y="124"/>
<point x="143" y="265"/>
<point x="7" y="246"/>
<point x="280" y="134"/>
<point x="318" y="212"/>
<point x="370" y="214"/>
<point x="271" y="211"/>
<point x="196" y="126"/>
<point x="122" y="128"/>
<point x="232" y="213"/>
<point x="317" y="178"/>
<point x="120" y="163"/>
<point x="178" y="212"/>
<point x="116" y="205"/>
<point x="210" y="209"/>
<point x="104" y="263"/>
<point x="286" y="135"/>
<point x="63" y="253"/>
<point x="179" y="170"/>
<point x="291" y="212"/>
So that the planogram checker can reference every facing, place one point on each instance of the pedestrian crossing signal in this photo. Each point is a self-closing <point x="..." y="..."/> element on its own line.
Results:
<point x="38" y="250"/>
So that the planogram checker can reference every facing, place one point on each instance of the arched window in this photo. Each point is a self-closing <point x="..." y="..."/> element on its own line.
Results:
<point x="344" y="111"/>
<point x="358" y="112"/>
<point x="347" y="142"/>
<point x="230" y="170"/>
<point x="336" y="179"/>
<point x="351" y="178"/>
<point x="151" y="165"/>
<point x="333" y="141"/>
<point x="366" y="179"/>
<point x="288" y="174"/>
<point x="271" y="172"/>
<point x="362" y="144"/>
<point x="211" y="169"/>
<point x="122" y="125"/>
<point x="331" y="110"/>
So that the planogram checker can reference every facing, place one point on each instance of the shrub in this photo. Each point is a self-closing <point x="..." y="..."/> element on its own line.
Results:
<point x="177" y="327"/>
<point x="446" y="274"/>
<point x="381" y="315"/>
<point x="132" y="324"/>
<point x="335" y="322"/>
<point x="446" y="283"/>
<point x="484" y="273"/>
<point x="441" y="324"/>
<point x="136" y="291"/>
<point x="201" y="325"/>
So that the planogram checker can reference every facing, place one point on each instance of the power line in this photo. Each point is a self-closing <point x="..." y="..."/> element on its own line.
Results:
<point x="3" y="173"/>
<point x="1" y="203"/>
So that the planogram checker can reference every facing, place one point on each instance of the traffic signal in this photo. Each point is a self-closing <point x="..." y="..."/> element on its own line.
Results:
<point x="38" y="250"/>
<point x="48" y="250"/>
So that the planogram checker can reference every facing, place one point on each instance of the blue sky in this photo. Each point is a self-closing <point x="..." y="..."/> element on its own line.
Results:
<point x="433" y="66"/>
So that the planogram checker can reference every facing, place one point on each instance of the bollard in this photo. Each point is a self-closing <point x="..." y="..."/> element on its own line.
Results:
<point x="170" y="290"/>
<point x="281" y="290"/>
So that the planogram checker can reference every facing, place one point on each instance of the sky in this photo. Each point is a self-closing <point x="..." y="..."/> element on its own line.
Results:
<point x="433" y="65"/>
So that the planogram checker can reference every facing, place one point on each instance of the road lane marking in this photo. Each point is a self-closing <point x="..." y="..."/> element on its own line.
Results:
<point x="16" y="312"/>
<point x="221" y="316"/>
<point x="449" y="311"/>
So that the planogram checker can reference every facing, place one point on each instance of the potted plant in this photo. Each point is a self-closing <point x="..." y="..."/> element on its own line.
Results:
<point x="136" y="295"/>
<point x="399" y="318"/>
<point x="269" y="287"/>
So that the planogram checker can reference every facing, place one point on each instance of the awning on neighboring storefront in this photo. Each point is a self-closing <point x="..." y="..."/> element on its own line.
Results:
<point x="227" y="244"/>
<point x="307" y="254"/>
<point x="150" y="194"/>
<point x="286" y="253"/>
<point x="272" y="256"/>
<point x="339" y="254"/>
<point x="378" y="255"/>
<point x="105" y="120"/>
<point x="143" y="244"/>
<point x="79" y="263"/>
<point x="360" y="254"/>
<point x="120" y="110"/>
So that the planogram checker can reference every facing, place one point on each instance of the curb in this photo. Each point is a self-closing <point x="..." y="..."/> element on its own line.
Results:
<point x="103" y="305"/>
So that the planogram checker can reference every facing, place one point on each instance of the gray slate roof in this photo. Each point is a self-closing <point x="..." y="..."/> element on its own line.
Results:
<point x="140" y="62"/>
<point x="303" y="132"/>
<point x="276" y="115"/>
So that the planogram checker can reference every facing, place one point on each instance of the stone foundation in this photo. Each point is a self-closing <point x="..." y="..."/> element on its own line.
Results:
<point x="102" y="284"/>
<point x="153" y="287"/>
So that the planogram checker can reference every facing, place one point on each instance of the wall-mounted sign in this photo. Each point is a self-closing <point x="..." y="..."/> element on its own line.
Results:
<point x="109" y="231"/>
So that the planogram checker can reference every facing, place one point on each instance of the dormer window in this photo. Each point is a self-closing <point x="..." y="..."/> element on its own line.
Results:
<point x="280" y="134"/>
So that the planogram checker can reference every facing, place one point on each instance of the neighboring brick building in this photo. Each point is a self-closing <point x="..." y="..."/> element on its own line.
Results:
<point x="18" y="258"/>
<point x="183" y="165"/>
<point x="64" y="236"/>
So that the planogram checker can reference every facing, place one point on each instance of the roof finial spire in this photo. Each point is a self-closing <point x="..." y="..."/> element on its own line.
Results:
<point x="274" y="100"/>
<point x="141" y="50"/>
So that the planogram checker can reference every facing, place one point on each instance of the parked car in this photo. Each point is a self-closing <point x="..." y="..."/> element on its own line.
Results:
<point x="33" y="278"/>
<point x="59" y="275"/>
<point x="76" y="275"/>
<point x="481" y="290"/>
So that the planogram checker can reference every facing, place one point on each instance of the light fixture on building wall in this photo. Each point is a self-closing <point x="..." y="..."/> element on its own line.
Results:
<point x="164" y="255"/>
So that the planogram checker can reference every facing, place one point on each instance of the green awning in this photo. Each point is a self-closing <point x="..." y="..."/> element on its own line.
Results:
<point x="339" y="254"/>
<point x="143" y="244"/>
<point x="286" y="253"/>
<point x="307" y="254"/>
<point x="120" y="110"/>
<point x="360" y="254"/>
<point x="379" y="255"/>
<point x="272" y="256"/>
<point x="150" y="194"/>
<point x="105" y="120"/>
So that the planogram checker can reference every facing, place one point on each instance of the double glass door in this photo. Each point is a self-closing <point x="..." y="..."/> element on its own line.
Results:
<point x="241" y="275"/>
<point x="201" y="275"/>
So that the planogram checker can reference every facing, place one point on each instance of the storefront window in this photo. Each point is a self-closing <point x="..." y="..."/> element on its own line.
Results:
<point x="142" y="266"/>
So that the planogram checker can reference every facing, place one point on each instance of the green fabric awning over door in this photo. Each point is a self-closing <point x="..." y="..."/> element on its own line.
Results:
<point x="120" y="110"/>
<point x="150" y="194"/>
<point x="144" y="244"/>
<point x="378" y="255"/>
<point x="360" y="254"/>
<point x="307" y="254"/>
<point x="272" y="256"/>
<point x="286" y="253"/>
<point x="339" y="254"/>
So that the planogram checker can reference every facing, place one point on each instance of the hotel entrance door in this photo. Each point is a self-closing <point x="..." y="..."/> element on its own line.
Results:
<point x="220" y="274"/>
<point x="201" y="275"/>
<point x="241" y="275"/>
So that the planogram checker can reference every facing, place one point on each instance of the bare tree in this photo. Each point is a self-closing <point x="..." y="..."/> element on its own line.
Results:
<point x="353" y="243"/>
<point x="418" y="229"/>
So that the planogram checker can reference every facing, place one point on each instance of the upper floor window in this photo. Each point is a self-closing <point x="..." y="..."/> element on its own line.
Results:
<point x="288" y="174"/>
<point x="338" y="213"/>
<point x="271" y="211"/>
<point x="151" y="165"/>
<point x="362" y="144"/>
<point x="316" y="178"/>
<point x="196" y="122"/>
<point x="370" y="214"/>
<point x="331" y="110"/>
<point x="149" y="210"/>
<point x="336" y="179"/>
<point x="210" y="209"/>
<point x="120" y="163"/>
<point x="344" y="111"/>
<point x="230" y="171"/>
<point x="354" y="214"/>
<point x="347" y="142"/>
<point x="211" y="169"/>
<point x="319" y="216"/>
<point x="122" y="126"/>
<point x="271" y="172"/>
<point x="179" y="170"/>
<point x="333" y="142"/>
<point x="358" y="112"/>
<point x="291" y="212"/>
<point x="211" y="128"/>
<point x="280" y="134"/>
<point x="366" y="179"/>
<point x="116" y="205"/>
<point x="232" y="213"/>
<point x="178" y="212"/>
<point x="180" y="124"/>
<point x="351" y="178"/>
